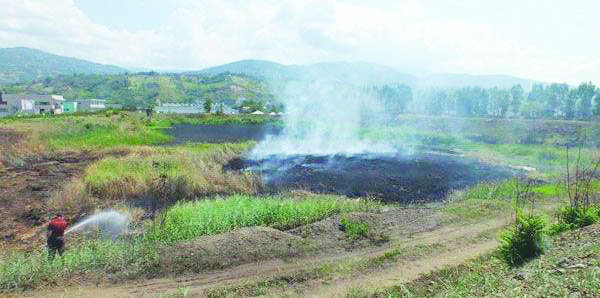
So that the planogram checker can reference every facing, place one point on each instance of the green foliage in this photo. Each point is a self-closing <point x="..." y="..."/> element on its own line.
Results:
<point x="127" y="259"/>
<point x="354" y="229"/>
<point x="577" y="217"/>
<point x="189" y="220"/>
<point x="208" y="106"/>
<point x="524" y="240"/>
<point x="97" y="136"/>
<point x="145" y="89"/>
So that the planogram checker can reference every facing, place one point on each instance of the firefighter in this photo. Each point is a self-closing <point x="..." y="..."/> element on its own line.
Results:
<point x="56" y="235"/>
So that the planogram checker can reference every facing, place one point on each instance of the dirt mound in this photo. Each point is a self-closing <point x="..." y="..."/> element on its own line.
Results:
<point x="242" y="246"/>
<point x="394" y="222"/>
<point x="390" y="177"/>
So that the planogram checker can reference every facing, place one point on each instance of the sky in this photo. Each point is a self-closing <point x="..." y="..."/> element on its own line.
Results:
<point x="546" y="40"/>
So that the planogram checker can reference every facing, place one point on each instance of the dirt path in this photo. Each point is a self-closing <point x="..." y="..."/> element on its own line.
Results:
<point x="460" y="243"/>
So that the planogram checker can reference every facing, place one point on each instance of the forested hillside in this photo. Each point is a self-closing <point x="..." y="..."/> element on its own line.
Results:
<point x="146" y="89"/>
<point x="24" y="64"/>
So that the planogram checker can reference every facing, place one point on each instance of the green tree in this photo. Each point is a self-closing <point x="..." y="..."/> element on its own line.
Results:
<point x="499" y="102"/>
<point x="220" y="109"/>
<point x="585" y="94"/>
<point x="536" y="94"/>
<point x="516" y="94"/>
<point x="569" y="105"/>
<point x="208" y="105"/>
<point x="556" y="96"/>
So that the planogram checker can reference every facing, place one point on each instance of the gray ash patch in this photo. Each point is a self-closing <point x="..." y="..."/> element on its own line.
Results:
<point x="423" y="177"/>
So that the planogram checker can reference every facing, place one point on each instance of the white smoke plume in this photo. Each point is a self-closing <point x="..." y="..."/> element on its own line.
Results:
<point x="324" y="118"/>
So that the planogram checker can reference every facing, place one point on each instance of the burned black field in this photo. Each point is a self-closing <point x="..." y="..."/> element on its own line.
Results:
<point x="422" y="177"/>
<point x="184" y="133"/>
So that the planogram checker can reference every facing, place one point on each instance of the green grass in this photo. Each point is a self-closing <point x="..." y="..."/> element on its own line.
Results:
<point x="167" y="120"/>
<point x="355" y="229"/>
<point x="123" y="260"/>
<point x="189" y="220"/>
<point x="95" y="136"/>
<point x="486" y="276"/>
<point x="171" y="173"/>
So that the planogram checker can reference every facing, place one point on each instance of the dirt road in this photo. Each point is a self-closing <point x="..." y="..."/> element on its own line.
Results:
<point x="425" y="251"/>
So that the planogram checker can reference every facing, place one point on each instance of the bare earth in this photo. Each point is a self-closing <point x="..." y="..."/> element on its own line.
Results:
<point x="428" y="245"/>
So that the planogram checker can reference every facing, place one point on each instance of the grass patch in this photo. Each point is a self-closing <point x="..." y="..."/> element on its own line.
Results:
<point x="170" y="173"/>
<point x="189" y="220"/>
<point x="569" y="267"/>
<point x="122" y="260"/>
<point x="168" y="120"/>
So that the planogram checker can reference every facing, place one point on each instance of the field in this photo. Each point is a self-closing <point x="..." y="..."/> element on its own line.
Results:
<point x="207" y="220"/>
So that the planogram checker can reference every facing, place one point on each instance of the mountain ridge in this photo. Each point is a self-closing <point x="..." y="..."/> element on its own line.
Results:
<point x="26" y="64"/>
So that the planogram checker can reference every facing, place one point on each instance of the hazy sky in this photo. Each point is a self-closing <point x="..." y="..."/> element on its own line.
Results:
<point x="545" y="40"/>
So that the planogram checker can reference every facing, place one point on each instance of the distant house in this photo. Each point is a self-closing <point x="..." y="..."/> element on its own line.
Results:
<point x="70" y="106"/>
<point x="90" y="105"/>
<point x="32" y="104"/>
<point x="257" y="113"/>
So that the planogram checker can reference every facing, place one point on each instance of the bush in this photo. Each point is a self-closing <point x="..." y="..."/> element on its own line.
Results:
<point x="354" y="229"/>
<point x="525" y="240"/>
<point x="577" y="217"/>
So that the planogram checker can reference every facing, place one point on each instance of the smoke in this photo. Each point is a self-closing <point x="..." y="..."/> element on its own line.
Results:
<point x="111" y="223"/>
<point x="325" y="118"/>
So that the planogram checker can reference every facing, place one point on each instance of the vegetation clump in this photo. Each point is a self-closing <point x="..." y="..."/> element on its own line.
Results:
<point x="354" y="229"/>
<point x="186" y="221"/>
<point x="525" y="240"/>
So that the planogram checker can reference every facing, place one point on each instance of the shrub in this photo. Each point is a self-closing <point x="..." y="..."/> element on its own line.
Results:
<point x="525" y="240"/>
<point x="577" y="217"/>
<point x="354" y="229"/>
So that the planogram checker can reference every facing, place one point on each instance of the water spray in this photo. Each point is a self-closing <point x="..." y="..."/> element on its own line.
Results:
<point x="110" y="222"/>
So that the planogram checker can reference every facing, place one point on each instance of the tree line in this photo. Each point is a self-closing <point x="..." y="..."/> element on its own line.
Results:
<point x="554" y="101"/>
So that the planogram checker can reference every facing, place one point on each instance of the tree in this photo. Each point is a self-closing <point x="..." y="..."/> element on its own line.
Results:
<point x="436" y="102"/>
<point x="556" y="95"/>
<point x="394" y="98"/>
<point x="516" y="94"/>
<point x="585" y="94"/>
<point x="220" y="110"/>
<point x="208" y="105"/>
<point x="499" y="102"/>
<point x="569" y="105"/>
<point x="536" y="94"/>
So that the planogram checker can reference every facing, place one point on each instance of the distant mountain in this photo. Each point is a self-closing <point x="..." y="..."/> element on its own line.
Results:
<point x="358" y="73"/>
<point x="361" y="73"/>
<point x="452" y="80"/>
<point x="24" y="64"/>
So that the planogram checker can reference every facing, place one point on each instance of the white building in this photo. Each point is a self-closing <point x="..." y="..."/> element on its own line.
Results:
<point x="31" y="104"/>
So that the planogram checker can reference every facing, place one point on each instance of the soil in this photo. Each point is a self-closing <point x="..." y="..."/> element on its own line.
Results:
<point x="227" y="133"/>
<point x="421" y="228"/>
<point x="24" y="192"/>
<point x="392" y="177"/>
<point x="246" y="245"/>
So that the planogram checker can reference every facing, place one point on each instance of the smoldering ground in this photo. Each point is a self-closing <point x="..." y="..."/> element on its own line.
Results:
<point x="322" y="148"/>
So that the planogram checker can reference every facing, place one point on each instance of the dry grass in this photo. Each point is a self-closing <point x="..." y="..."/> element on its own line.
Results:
<point x="162" y="173"/>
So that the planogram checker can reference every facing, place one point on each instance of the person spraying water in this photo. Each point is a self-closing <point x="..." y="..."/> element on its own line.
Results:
<point x="56" y="235"/>
<point x="111" y="223"/>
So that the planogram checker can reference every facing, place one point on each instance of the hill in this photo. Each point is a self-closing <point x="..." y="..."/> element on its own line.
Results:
<point x="357" y="73"/>
<point x="25" y="64"/>
<point x="452" y="80"/>
<point x="362" y="73"/>
<point x="144" y="89"/>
